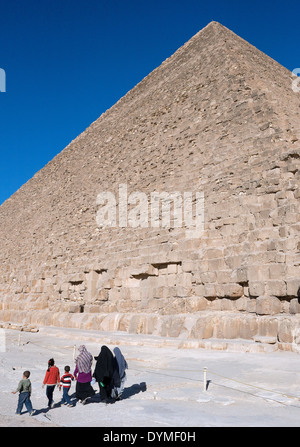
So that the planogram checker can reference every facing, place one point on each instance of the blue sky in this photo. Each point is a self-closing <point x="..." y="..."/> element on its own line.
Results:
<point x="67" y="61"/>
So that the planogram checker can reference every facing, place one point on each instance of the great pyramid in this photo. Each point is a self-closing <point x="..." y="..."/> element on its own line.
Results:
<point x="218" y="117"/>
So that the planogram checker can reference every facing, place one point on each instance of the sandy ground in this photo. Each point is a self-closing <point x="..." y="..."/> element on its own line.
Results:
<point x="164" y="388"/>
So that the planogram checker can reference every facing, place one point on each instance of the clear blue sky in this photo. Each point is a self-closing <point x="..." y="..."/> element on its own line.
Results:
<point x="67" y="61"/>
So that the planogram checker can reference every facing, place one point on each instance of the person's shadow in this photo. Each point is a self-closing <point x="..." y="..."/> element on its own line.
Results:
<point x="45" y="410"/>
<point x="127" y="393"/>
<point x="133" y="389"/>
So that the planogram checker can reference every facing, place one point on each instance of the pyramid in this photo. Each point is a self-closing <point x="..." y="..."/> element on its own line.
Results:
<point x="217" y="120"/>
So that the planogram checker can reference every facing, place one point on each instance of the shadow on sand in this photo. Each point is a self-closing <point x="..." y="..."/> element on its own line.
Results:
<point x="127" y="393"/>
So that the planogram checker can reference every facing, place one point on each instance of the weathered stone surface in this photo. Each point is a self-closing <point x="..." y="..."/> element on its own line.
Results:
<point x="218" y="117"/>
<point x="268" y="305"/>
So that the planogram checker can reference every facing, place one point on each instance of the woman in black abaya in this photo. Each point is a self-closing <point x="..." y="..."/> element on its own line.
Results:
<point x="103" y="372"/>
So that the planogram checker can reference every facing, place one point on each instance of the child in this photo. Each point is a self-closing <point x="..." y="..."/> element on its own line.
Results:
<point x="51" y="379"/>
<point x="65" y="382"/>
<point x="24" y="389"/>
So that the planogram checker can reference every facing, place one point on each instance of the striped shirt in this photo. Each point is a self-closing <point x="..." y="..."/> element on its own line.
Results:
<point x="66" y="380"/>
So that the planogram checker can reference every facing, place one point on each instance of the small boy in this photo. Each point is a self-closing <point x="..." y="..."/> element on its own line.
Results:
<point x="24" y="389"/>
<point x="65" y="382"/>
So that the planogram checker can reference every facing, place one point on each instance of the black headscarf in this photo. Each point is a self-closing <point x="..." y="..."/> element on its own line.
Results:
<point x="104" y="368"/>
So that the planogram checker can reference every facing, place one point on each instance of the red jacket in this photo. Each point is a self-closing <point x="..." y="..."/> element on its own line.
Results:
<point x="52" y="376"/>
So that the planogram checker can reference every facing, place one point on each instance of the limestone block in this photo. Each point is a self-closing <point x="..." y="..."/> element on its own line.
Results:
<point x="101" y="295"/>
<point x="256" y="288"/>
<point x="65" y="295"/>
<point x="114" y="294"/>
<point x="199" y="290"/>
<point x="258" y="272"/>
<point x="171" y="280"/>
<point x="203" y="328"/>
<point x="241" y="304"/>
<point x="162" y="281"/>
<point x="216" y="264"/>
<point x="248" y="327"/>
<point x="108" y="307"/>
<point x="156" y="305"/>
<point x="277" y="271"/>
<point x="267" y="327"/>
<point x="227" y="328"/>
<point x="125" y="306"/>
<point x="76" y="278"/>
<point x="268" y="305"/>
<point x="285" y="331"/>
<point x="294" y="306"/>
<point x="184" y="280"/>
<point x="196" y="304"/>
<point x="131" y="282"/>
<point x="223" y="276"/>
<point x="172" y="327"/>
<point x="74" y="308"/>
<point x="146" y="293"/>
<point x="210" y="291"/>
<point x="228" y="304"/>
<point x="175" y="306"/>
<point x="172" y="268"/>
<point x="292" y="287"/>
<point x="216" y="304"/>
<point x="118" y="282"/>
<point x="234" y="262"/>
<point x="276" y="287"/>
<point x="92" y="279"/>
<point x="179" y="291"/>
<point x="144" y="270"/>
<point x="188" y="266"/>
<point x="92" y="308"/>
<point x="207" y="277"/>
<point x="135" y="294"/>
<point x="230" y="290"/>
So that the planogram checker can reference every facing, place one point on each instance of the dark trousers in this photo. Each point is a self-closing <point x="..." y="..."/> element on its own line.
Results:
<point x="104" y="391"/>
<point x="84" y="390"/>
<point x="49" y="394"/>
<point x="24" y="399"/>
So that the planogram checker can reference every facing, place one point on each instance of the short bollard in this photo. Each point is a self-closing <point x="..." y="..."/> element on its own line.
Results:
<point x="204" y="379"/>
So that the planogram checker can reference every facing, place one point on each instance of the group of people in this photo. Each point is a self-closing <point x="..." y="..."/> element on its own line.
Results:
<point x="109" y="373"/>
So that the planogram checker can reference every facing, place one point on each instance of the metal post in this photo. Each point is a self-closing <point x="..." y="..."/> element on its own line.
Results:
<point x="74" y="351"/>
<point x="204" y="379"/>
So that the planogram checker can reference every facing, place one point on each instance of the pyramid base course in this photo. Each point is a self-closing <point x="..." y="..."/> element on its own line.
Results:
<point x="203" y="329"/>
